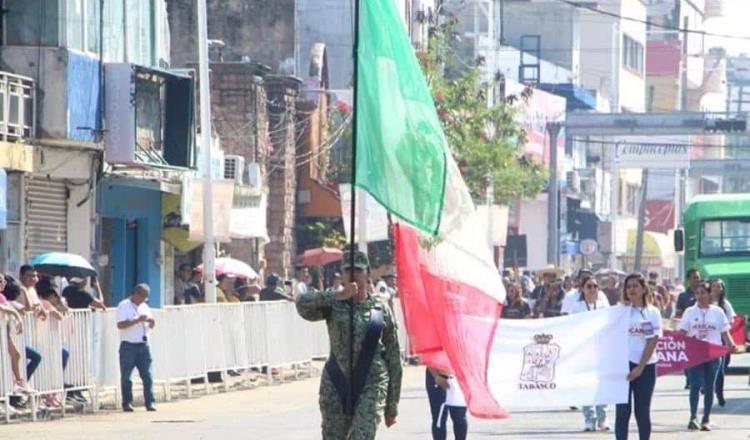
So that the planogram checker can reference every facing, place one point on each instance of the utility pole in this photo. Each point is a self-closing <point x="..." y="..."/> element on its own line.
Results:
<point x="681" y="177"/>
<point x="641" y="221"/>
<point x="209" y="245"/>
<point x="553" y="196"/>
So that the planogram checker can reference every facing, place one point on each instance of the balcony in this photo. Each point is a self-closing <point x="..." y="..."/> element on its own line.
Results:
<point x="17" y="120"/>
<point x="149" y="117"/>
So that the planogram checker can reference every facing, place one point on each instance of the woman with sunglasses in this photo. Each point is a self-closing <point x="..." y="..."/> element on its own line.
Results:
<point x="709" y="323"/>
<point x="588" y="300"/>
<point x="644" y="331"/>
<point x="719" y="298"/>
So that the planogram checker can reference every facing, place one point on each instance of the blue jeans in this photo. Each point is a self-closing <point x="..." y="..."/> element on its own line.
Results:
<point x="436" y="396"/>
<point x="639" y="396"/>
<point x="703" y="376"/>
<point x="33" y="359"/>
<point x="135" y="356"/>
<point x="594" y="414"/>
<point x="65" y="356"/>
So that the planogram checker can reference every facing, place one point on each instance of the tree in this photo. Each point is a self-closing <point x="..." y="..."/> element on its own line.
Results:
<point x="485" y="138"/>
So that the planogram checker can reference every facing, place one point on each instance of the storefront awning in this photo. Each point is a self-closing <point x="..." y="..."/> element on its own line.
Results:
<point x="657" y="250"/>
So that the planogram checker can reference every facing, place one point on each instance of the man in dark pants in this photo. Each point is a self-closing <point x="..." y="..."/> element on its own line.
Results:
<point x="134" y="319"/>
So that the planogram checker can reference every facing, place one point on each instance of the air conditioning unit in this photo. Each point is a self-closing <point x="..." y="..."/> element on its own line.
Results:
<point x="254" y="175"/>
<point x="233" y="167"/>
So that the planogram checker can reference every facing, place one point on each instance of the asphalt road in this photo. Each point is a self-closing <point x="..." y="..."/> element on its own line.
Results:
<point x="289" y="411"/>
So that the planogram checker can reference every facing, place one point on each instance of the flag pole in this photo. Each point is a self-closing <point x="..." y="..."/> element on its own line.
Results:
<point x="353" y="206"/>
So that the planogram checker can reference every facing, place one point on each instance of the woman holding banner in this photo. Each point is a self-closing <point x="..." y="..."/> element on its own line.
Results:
<point x="595" y="417"/>
<point x="446" y="398"/>
<point x="719" y="298"/>
<point x="644" y="331"/>
<point x="709" y="323"/>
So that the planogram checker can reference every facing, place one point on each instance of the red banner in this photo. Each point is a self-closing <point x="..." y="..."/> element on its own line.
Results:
<point x="677" y="352"/>
<point x="739" y="331"/>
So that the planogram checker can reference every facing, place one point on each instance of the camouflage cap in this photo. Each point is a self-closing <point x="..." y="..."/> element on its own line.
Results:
<point x="360" y="260"/>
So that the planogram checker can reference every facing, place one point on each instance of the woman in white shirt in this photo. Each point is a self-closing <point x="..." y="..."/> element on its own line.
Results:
<point x="719" y="298"/>
<point x="644" y="331"/>
<point x="706" y="322"/>
<point x="595" y="417"/>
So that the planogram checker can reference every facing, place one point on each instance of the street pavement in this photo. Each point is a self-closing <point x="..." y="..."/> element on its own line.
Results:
<point x="289" y="411"/>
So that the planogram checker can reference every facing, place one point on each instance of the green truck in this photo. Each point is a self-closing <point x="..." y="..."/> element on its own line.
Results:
<point x="716" y="241"/>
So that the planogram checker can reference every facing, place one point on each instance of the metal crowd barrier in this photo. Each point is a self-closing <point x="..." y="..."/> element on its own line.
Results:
<point x="188" y="342"/>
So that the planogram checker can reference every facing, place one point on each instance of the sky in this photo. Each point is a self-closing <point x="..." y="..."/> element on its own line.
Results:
<point x="735" y="23"/>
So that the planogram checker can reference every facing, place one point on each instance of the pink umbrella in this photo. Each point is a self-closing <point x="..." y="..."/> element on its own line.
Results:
<point x="319" y="256"/>
<point x="232" y="268"/>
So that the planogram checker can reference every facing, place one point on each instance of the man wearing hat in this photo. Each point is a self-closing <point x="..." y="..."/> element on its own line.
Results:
<point x="77" y="296"/>
<point x="549" y="275"/>
<point x="376" y="378"/>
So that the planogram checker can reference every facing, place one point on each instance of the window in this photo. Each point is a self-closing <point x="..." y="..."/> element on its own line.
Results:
<point x="31" y="22"/>
<point x="632" y="55"/>
<point x="725" y="237"/>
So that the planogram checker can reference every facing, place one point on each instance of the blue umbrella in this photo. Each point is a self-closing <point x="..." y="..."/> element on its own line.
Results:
<point x="63" y="264"/>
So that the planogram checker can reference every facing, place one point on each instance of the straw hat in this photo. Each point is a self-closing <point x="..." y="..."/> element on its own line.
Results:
<point x="550" y="269"/>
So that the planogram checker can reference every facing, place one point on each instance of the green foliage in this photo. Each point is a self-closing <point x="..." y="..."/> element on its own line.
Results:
<point x="484" y="138"/>
<point x="314" y="233"/>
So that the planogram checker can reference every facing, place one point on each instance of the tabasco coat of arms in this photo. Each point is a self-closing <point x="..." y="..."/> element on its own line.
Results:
<point x="539" y="361"/>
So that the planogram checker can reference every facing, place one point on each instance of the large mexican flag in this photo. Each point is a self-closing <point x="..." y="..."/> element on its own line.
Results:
<point x="451" y="291"/>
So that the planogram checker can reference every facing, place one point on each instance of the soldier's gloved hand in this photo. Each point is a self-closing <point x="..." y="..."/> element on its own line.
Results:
<point x="390" y="420"/>
<point x="350" y="291"/>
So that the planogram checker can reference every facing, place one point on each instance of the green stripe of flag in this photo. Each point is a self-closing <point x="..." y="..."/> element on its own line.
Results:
<point x="401" y="150"/>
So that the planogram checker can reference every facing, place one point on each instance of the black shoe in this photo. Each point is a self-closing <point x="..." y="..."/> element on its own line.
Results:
<point x="705" y="426"/>
<point x="150" y="408"/>
<point x="722" y="402"/>
<point x="693" y="425"/>
<point x="127" y="408"/>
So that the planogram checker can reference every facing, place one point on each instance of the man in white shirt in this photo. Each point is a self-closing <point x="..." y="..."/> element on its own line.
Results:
<point x="134" y="319"/>
<point x="302" y="278"/>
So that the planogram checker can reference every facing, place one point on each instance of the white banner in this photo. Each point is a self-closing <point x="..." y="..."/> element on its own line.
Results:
<point x="656" y="156"/>
<point x="573" y="360"/>
<point x="498" y="234"/>
<point x="223" y="193"/>
<point x="377" y="217"/>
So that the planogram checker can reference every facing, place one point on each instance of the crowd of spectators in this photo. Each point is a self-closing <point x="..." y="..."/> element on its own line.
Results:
<point x="550" y="292"/>
<point x="188" y="286"/>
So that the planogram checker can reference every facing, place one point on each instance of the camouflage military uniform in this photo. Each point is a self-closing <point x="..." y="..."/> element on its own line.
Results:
<point x="383" y="385"/>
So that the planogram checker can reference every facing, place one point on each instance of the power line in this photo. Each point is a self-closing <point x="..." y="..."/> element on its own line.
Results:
<point x="649" y="23"/>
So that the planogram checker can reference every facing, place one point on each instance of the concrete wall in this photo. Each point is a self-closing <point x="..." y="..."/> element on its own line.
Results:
<point x="260" y="29"/>
<point x="602" y="69"/>
<point x="555" y="22"/>
<point x="240" y="118"/>
<point x="632" y="85"/>
<point x="48" y="67"/>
